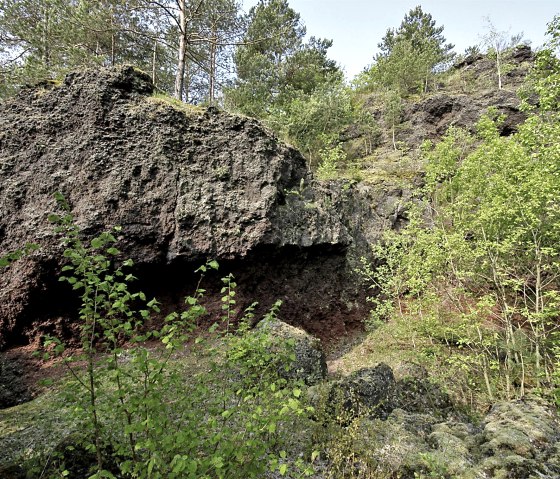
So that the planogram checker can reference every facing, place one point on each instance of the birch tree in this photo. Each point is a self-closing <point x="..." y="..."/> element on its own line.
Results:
<point x="497" y="43"/>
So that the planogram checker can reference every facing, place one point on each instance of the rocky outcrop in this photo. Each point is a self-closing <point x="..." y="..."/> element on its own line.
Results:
<point x="375" y="393"/>
<point x="516" y="439"/>
<point x="13" y="388"/>
<point x="408" y="427"/>
<point x="185" y="184"/>
<point x="309" y="365"/>
<point x="471" y="87"/>
<point x="430" y="119"/>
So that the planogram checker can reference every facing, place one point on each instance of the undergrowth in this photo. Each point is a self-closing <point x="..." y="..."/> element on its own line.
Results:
<point x="135" y="412"/>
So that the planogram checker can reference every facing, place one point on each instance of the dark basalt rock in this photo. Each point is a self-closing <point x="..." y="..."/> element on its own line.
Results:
<point x="461" y="104"/>
<point x="309" y="365"/>
<point x="13" y="388"/>
<point x="375" y="393"/>
<point x="185" y="184"/>
<point x="366" y="392"/>
<point x="431" y="118"/>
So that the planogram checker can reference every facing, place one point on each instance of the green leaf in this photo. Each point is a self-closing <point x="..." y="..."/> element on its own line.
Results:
<point x="151" y="465"/>
<point x="96" y="243"/>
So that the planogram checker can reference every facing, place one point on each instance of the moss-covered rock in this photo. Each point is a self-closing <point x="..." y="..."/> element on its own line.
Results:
<point x="366" y="392"/>
<point x="518" y="439"/>
<point x="309" y="364"/>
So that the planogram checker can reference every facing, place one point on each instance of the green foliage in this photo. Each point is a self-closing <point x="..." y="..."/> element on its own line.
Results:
<point x="497" y="44"/>
<point x="312" y="121"/>
<point x="410" y="54"/>
<point x="7" y="259"/>
<point x="544" y="78"/>
<point x="274" y="33"/>
<point x="485" y="240"/>
<point x="445" y="158"/>
<point x="44" y="39"/>
<point x="405" y="70"/>
<point x="420" y="29"/>
<point x="331" y="160"/>
<point x="289" y="84"/>
<point x="142" y="414"/>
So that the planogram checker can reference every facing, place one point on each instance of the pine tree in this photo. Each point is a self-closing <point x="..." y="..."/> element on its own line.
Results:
<point x="273" y="63"/>
<point x="42" y="39"/>
<point x="410" y="54"/>
<point x="420" y="30"/>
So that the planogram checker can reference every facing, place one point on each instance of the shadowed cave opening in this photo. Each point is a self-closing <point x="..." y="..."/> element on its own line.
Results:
<point x="312" y="283"/>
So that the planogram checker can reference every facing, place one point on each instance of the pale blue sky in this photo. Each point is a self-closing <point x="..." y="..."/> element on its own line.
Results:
<point x="357" y="26"/>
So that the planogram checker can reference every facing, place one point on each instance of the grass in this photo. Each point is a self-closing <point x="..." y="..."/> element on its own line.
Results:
<point x="32" y="429"/>
<point x="36" y="428"/>
<point x="166" y="100"/>
<point x="386" y="166"/>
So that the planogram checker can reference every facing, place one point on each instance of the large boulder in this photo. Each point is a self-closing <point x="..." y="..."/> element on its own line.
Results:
<point x="520" y="439"/>
<point x="515" y="440"/>
<point x="13" y="387"/>
<point x="184" y="183"/>
<point x="366" y="392"/>
<point x="375" y="393"/>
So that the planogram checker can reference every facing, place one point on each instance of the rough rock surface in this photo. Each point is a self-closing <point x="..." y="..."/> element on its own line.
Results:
<point x="520" y="439"/>
<point x="310" y="364"/>
<point x="375" y="393"/>
<point x="472" y="88"/>
<point x="409" y="428"/>
<point x="13" y="388"/>
<point x="429" y="119"/>
<point x="185" y="184"/>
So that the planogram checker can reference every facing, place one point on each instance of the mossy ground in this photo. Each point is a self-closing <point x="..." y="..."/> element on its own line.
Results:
<point x="34" y="428"/>
<point x="164" y="99"/>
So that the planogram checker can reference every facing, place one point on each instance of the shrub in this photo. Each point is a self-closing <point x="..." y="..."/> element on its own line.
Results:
<point x="142" y="412"/>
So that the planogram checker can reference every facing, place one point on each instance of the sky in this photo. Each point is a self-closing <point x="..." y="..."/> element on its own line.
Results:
<point x="357" y="26"/>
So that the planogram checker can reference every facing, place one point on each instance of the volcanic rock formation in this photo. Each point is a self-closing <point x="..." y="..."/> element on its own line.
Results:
<point x="186" y="184"/>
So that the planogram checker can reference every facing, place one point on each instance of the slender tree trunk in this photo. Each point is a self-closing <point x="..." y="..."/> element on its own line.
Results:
<point x="112" y="39"/>
<point x="499" y="67"/>
<point x="181" y="60"/>
<point x="154" y="59"/>
<point x="212" y="82"/>
<point x="46" y="47"/>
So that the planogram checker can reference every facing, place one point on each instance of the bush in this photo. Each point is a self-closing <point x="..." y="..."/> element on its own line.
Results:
<point x="143" y="413"/>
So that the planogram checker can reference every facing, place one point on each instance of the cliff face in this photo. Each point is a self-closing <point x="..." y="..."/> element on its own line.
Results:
<point x="185" y="184"/>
